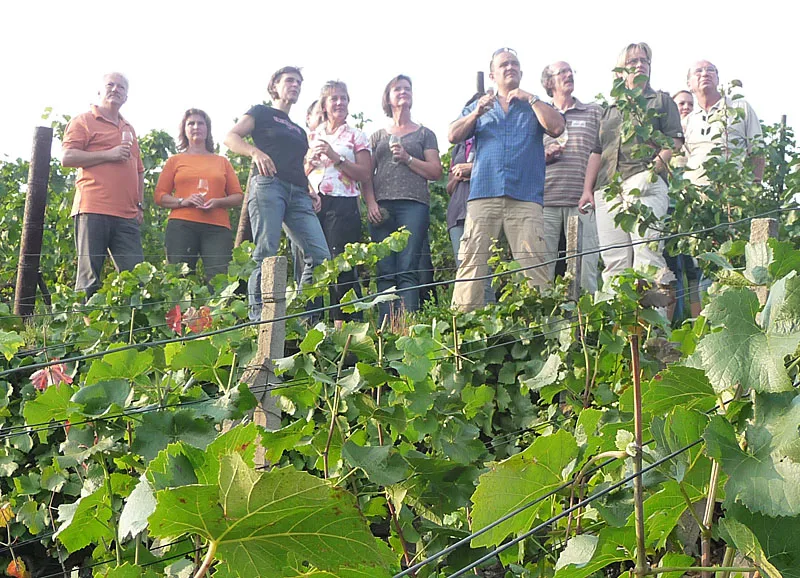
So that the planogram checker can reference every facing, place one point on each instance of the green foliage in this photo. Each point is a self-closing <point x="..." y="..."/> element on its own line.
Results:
<point x="393" y="445"/>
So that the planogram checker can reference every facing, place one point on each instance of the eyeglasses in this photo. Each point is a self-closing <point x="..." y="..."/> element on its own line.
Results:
<point x="561" y="71"/>
<point x="707" y="69"/>
<point x="504" y="49"/>
<point x="636" y="61"/>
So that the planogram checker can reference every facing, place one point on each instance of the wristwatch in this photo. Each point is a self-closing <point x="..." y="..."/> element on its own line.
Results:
<point x="140" y="206"/>
<point x="340" y="161"/>
<point x="533" y="100"/>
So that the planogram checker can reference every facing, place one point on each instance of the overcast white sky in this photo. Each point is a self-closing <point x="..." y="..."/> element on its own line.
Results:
<point x="218" y="56"/>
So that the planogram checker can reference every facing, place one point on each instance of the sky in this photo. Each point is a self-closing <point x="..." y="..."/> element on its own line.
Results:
<point x="219" y="56"/>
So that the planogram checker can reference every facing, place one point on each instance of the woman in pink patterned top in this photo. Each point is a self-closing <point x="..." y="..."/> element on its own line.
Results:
<point x="338" y="160"/>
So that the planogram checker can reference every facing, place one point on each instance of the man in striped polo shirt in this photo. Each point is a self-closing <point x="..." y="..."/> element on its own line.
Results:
<point x="567" y="157"/>
<point x="507" y="181"/>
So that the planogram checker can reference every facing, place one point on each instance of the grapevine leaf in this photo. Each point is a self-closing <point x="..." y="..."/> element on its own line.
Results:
<point x="674" y="560"/>
<point x="311" y="341"/>
<point x="286" y="438"/>
<point x="747" y="543"/>
<point x="158" y="429"/>
<point x="579" y="551"/>
<point x="475" y="399"/>
<point x="35" y="516"/>
<point x="547" y="375"/>
<point x="678" y="386"/>
<point x="757" y="477"/>
<point x="517" y="481"/>
<point x="361" y="344"/>
<point x="174" y="466"/>
<point x="138" y="507"/>
<point x="261" y="520"/>
<point x="744" y="354"/>
<point x="778" y="537"/>
<point x="129" y="364"/>
<point x="373" y="375"/>
<point x="10" y="343"/>
<point x="54" y="404"/>
<point x="779" y="414"/>
<point x="85" y="521"/>
<point x="382" y="464"/>
<point x="613" y="545"/>
<point x="102" y="397"/>
<point x="202" y="358"/>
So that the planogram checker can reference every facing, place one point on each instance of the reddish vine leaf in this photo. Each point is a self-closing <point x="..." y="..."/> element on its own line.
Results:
<point x="174" y="318"/>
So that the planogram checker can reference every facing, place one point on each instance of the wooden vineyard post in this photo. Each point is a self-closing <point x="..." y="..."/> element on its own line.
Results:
<point x="261" y="377"/>
<point x="243" y="231"/>
<point x="30" y="247"/>
<point x="574" y="264"/>
<point x="762" y="230"/>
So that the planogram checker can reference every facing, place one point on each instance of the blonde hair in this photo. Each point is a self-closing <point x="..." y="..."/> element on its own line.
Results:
<point x="327" y="90"/>
<point x="622" y="59"/>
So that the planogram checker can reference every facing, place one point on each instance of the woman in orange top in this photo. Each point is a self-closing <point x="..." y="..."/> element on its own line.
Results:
<point x="199" y="186"/>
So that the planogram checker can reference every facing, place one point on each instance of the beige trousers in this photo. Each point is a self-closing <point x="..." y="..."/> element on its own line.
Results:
<point x="523" y="225"/>
<point x="644" y="255"/>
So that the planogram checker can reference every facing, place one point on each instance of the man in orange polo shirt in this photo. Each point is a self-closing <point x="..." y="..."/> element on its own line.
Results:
<point x="110" y="187"/>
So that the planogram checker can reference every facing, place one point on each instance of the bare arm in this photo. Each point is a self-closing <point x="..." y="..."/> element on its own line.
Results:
<point x="373" y="209"/>
<point x="430" y="168"/>
<point x="463" y="128"/>
<point x="592" y="170"/>
<point x="551" y="120"/>
<point x="664" y="156"/>
<point x="234" y="140"/>
<point x="84" y="159"/>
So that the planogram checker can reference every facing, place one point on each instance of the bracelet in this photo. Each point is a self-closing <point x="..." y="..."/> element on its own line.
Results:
<point x="408" y="162"/>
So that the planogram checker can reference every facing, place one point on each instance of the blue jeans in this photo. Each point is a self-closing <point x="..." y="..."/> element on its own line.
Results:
<point x="400" y="269"/>
<point x="273" y="204"/>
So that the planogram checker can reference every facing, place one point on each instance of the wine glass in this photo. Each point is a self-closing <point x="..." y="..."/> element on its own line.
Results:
<point x="127" y="137"/>
<point x="394" y="140"/>
<point x="562" y="138"/>
<point x="202" y="187"/>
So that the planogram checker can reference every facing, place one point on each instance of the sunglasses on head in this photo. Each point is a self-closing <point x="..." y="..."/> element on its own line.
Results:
<point x="504" y="49"/>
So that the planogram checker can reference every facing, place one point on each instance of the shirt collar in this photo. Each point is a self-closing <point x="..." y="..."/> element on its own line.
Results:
<point x="98" y="114"/>
<point x="577" y="105"/>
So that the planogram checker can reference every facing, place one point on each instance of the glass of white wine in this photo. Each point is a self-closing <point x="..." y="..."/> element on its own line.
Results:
<point x="394" y="140"/>
<point x="562" y="138"/>
<point x="202" y="187"/>
<point x="127" y="137"/>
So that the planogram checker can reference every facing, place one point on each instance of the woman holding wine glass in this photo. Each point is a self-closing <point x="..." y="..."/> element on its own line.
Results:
<point x="337" y="161"/>
<point x="406" y="157"/>
<point x="199" y="186"/>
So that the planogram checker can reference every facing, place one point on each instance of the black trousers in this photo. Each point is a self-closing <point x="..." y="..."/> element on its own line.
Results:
<point x="341" y="222"/>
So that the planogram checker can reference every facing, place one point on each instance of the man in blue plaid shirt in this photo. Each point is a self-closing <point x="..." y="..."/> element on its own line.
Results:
<point x="507" y="183"/>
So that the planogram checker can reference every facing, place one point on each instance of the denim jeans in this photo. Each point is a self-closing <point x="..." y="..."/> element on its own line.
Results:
<point x="401" y="269"/>
<point x="273" y="204"/>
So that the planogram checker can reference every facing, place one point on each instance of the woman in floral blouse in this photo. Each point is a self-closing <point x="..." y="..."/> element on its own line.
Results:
<point x="338" y="159"/>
